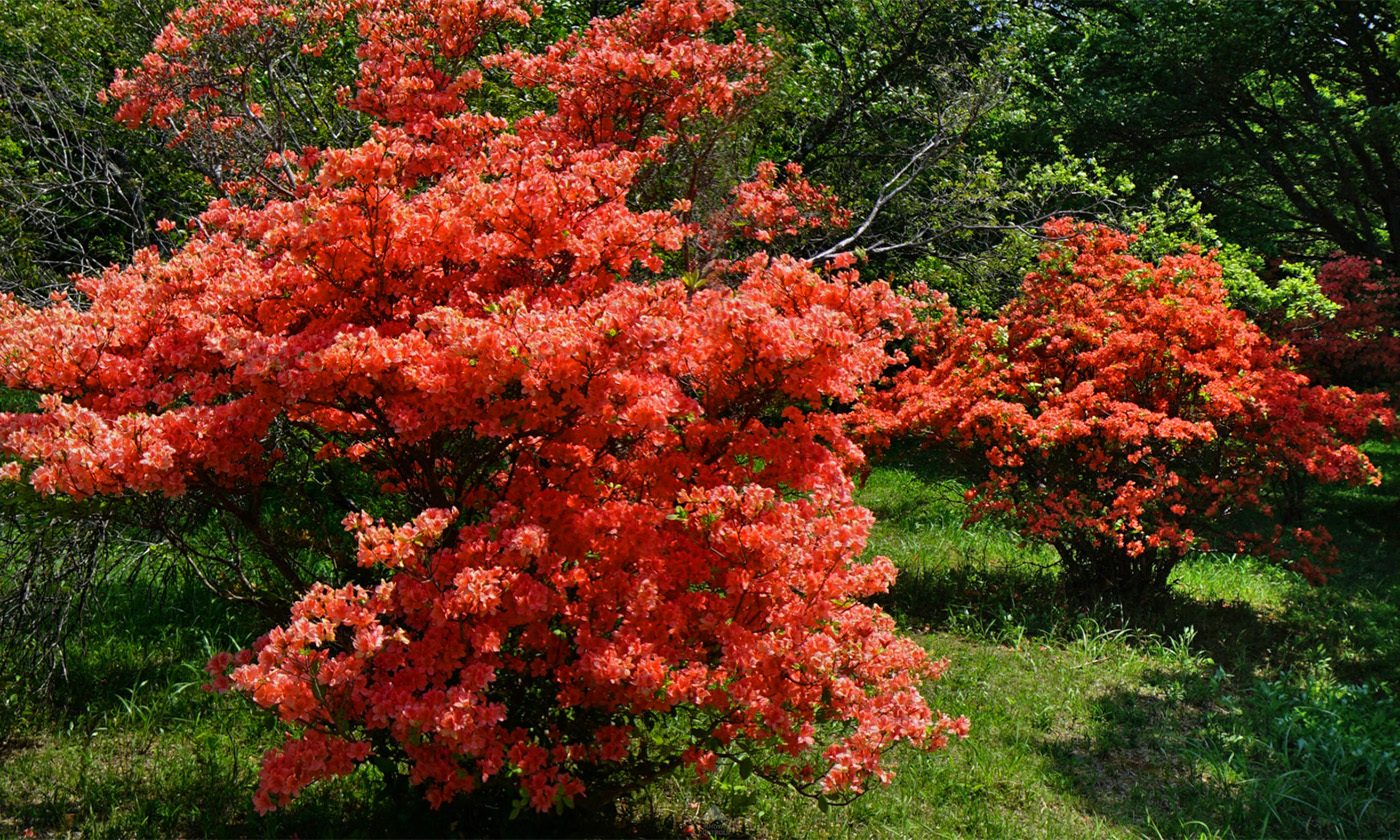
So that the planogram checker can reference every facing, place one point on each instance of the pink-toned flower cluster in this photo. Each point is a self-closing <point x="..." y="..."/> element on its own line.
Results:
<point x="634" y="491"/>
<point x="1126" y="415"/>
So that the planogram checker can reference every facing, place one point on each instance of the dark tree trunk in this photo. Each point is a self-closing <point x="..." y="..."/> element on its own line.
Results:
<point x="1093" y="572"/>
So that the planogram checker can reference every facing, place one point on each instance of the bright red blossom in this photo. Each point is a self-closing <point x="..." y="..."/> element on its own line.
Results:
<point x="632" y="492"/>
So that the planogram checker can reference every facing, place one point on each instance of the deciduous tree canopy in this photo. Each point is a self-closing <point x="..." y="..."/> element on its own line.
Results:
<point x="1281" y="117"/>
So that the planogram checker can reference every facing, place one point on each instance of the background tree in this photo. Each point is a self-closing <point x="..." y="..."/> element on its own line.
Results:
<point x="1280" y="117"/>
<point x="881" y="97"/>
<point x="76" y="191"/>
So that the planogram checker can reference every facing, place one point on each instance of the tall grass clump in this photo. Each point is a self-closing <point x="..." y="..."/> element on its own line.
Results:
<point x="1310" y="757"/>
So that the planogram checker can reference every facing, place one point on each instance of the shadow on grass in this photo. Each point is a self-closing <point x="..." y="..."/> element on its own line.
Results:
<point x="364" y="810"/>
<point x="1134" y="764"/>
<point x="193" y="795"/>
<point x="1250" y="618"/>
<point x="1007" y="602"/>
<point x="1188" y="761"/>
<point x="1352" y="620"/>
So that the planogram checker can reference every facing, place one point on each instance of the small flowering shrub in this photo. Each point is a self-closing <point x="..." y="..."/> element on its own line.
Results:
<point x="1122" y="413"/>
<point x="627" y="480"/>
<point x="1360" y="345"/>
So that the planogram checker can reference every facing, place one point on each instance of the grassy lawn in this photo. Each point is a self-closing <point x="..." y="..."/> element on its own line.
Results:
<point x="1246" y="705"/>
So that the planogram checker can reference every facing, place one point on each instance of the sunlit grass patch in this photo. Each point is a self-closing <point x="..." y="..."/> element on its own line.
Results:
<point x="1237" y="579"/>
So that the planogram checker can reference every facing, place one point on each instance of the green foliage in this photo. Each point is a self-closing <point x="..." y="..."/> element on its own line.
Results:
<point x="1308" y="756"/>
<point x="1175" y="218"/>
<point x="1167" y="218"/>
<point x="1281" y="116"/>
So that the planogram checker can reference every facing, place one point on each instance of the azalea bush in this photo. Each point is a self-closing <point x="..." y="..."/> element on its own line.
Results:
<point x="1359" y="346"/>
<point x="1120" y="411"/>
<point x="603" y="519"/>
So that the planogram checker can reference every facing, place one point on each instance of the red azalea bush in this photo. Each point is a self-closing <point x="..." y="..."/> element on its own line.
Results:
<point x="629" y="495"/>
<point x="1359" y="346"/>
<point x="1125" y="415"/>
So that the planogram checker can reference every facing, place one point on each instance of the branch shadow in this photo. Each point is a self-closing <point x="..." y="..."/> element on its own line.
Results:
<point x="1134" y="763"/>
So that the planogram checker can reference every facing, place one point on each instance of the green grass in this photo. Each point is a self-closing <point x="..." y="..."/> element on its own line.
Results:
<point x="130" y="746"/>
<point x="1246" y="704"/>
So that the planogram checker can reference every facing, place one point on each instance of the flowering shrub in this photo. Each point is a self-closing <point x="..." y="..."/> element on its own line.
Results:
<point x="629" y="495"/>
<point x="1125" y="415"/>
<point x="1360" y="345"/>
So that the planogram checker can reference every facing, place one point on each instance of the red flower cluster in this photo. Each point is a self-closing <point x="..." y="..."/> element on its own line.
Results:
<point x="1360" y="345"/>
<point x="634" y="491"/>
<point x="1125" y="415"/>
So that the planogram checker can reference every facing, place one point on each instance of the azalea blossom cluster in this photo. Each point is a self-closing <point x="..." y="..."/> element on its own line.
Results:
<point x="631" y="489"/>
<point x="1360" y="345"/>
<point x="1125" y="415"/>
